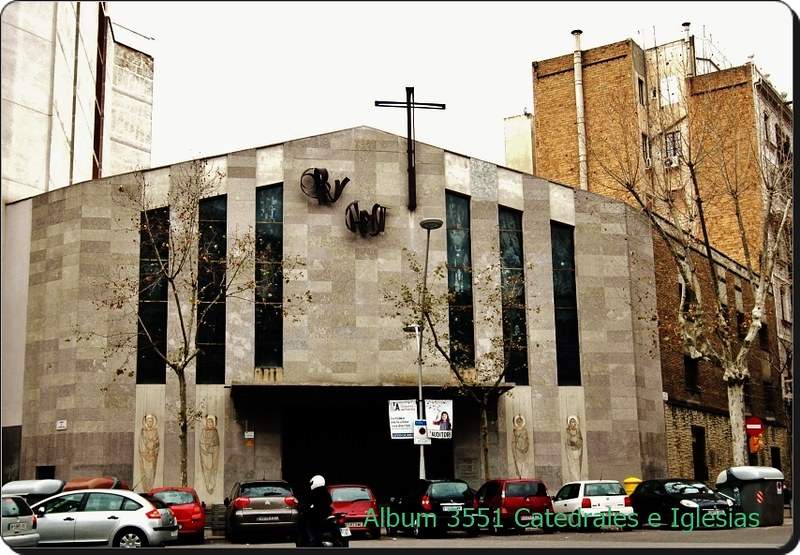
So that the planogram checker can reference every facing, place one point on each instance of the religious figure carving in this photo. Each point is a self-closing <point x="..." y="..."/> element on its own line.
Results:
<point x="574" y="450"/>
<point x="521" y="442"/>
<point x="314" y="183"/>
<point x="149" y="446"/>
<point x="209" y="452"/>
<point x="364" y="222"/>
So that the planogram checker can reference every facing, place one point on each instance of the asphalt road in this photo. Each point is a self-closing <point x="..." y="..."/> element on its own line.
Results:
<point x="774" y="536"/>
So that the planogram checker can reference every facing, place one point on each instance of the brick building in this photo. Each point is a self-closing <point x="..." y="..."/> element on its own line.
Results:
<point x="620" y="107"/>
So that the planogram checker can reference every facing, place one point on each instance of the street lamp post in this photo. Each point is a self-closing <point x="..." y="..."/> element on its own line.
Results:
<point x="428" y="224"/>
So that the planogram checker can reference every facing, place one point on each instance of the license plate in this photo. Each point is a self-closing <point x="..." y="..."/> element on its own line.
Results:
<point x="266" y="518"/>
<point x="173" y="534"/>
<point x="525" y="517"/>
<point x="715" y="512"/>
<point x="451" y="508"/>
<point x="15" y="526"/>
<point x="345" y="532"/>
<point x="354" y="524"/>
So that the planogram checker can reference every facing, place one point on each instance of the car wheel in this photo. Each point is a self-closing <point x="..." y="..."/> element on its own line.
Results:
<point x="130" y="538"/>
<point x="200" y="537"/>
<point x="391" y="532"/>
<point x="416" y="531"/>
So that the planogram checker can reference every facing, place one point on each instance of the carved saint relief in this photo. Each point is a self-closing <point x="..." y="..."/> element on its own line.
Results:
<point x="209" y="452"/>
<point x="574" y="450"/>
<point x="520" y="434"/>
<point x="149" y="446"/>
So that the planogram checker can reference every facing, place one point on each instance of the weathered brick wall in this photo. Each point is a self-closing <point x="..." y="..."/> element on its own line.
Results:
<point x="608" y="101"/>
<point x="679" y="420"/>
<point x="721" y="104"/>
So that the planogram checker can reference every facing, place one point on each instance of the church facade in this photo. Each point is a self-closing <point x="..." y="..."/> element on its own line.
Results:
<point x="284" y="397"/>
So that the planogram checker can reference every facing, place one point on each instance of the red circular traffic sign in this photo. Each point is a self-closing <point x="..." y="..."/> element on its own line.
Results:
<point x="753" y="426"/>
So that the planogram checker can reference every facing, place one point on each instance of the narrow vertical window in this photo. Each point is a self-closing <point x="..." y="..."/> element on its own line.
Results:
<point x="212" y="250"/>
<point x="512" y="281"/>
<point x="641" y="91"/>
<point x="690" y="368"/>
<point x="269" y="277"/>
<point x="699" y="453"/>
<point x="566" y="306"/>
<point x="151" y="344"/>
<point x="459" y="281"/>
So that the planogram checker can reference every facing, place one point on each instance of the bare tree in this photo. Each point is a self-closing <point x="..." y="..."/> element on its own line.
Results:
<point x="484" y="381"/>
<point x="193" y="269"/>
<point x="701" y="157"/>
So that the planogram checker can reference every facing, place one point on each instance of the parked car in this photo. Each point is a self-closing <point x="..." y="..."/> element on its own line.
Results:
<point x="591" y="499"/>
<point x="355" y="501"/>
<point x="33" y="491"/>
<point x="18" y="523"/>
<point x="515" y="501"/>
<point x="187" y="508"/>
<point x="104" y="517"/>
<point x="665" y="496"/>
<point x="445" y="499"/>
<point x="103" y="482"/>
<point x="259" y="506"/>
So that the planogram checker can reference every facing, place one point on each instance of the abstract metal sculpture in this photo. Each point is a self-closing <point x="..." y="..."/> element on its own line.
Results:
<point x="364" y="222"/>
<point x="314" y="183"/>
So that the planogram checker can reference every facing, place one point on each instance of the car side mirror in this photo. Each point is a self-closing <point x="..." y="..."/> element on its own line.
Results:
<point x="40" y="511"/>
<point x="227" y="501"/>
<point x="203" y="504"/>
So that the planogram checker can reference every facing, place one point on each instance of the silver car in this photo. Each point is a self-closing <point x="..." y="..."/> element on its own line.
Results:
<point x="18" y="523"/>
<point x="115" y="517"/>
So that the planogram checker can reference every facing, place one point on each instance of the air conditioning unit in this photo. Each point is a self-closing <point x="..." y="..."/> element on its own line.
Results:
<point x="671" y="162"/>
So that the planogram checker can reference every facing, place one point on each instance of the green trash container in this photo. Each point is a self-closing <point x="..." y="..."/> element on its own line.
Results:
<point x="755" y="489"/>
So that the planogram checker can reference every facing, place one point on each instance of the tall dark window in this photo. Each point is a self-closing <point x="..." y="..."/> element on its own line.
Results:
<point x="641" y="91"/>
<point x="763" y="337"/>
<point x="566" y="306"/>
<point x="152" y="323"/>
<point x="769" y="398"/>
<point x="269" y="276"/>
<point x="459" y="281"/>
<point x="699" y="453"/>
<point x="212" y="250"/>
<point x="512" y="279"/>
<point x="690" y="373"/>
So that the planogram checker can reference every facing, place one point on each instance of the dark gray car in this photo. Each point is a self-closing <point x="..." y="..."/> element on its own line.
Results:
<point x="260" y="506"/>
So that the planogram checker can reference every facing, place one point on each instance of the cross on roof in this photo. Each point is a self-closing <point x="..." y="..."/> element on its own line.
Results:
<point x="410" y="105"/>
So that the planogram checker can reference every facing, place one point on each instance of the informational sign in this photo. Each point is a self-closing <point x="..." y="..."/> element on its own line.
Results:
<point x="250" y="434"/>
<point x="421" y="433"/>
<point x="439" y="413"/>
<point x="402" y="414"/>
<point x="61" y="425"/>
<point x="753" y="426"/>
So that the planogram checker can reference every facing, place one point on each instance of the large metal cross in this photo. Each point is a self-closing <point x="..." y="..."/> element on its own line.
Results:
<point x="409" y="105"/>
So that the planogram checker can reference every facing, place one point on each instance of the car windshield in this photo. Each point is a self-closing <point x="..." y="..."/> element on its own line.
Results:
<point x="525" y="489"/>
<point x="174" y="497"/>
<point x="15" y="507"/>
<point x="264" y="490"/>
<point x="449" y="489"/>
<point x="350" y="494"/>
<point x="604" y="488"/>
<point x="685" y="488"/>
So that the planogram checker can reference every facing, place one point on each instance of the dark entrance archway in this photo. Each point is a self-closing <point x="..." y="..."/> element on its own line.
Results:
<point x="343" y="434"/>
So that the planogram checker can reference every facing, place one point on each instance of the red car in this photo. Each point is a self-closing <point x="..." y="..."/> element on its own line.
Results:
<point x="517" y="499"/>
<point x="187" y="508"/>
<point x="356" y="500"/>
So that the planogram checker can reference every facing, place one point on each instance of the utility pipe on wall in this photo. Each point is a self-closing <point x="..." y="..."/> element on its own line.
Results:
<point x="583" y="171"/>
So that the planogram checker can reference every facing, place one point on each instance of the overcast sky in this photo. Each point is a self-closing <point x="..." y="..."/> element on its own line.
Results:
<point x="239" y="75"/>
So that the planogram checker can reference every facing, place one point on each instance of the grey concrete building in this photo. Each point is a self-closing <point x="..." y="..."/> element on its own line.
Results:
<point x="76" y="105"/>
<point x="323" y="407"/>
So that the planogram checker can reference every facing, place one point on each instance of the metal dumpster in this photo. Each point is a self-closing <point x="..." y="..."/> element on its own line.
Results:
<point x="755" y="489"/>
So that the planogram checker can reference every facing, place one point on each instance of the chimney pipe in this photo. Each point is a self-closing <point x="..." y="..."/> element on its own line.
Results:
<point x="686" y="30"/>
<point x="580" y="119"/>
<point x="687" y="39"/>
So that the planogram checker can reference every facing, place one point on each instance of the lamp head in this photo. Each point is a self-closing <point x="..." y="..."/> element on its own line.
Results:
<point x="431" y="223"/>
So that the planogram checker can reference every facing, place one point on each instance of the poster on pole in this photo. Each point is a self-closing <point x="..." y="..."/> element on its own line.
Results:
<point x="439" y="413"/>
<point x="421" y="436"/>
<point x="402" y="414"/>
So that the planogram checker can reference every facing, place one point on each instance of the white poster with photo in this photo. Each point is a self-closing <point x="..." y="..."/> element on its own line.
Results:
<point x="402" y="415"/>
<point x="439" y="413"/>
